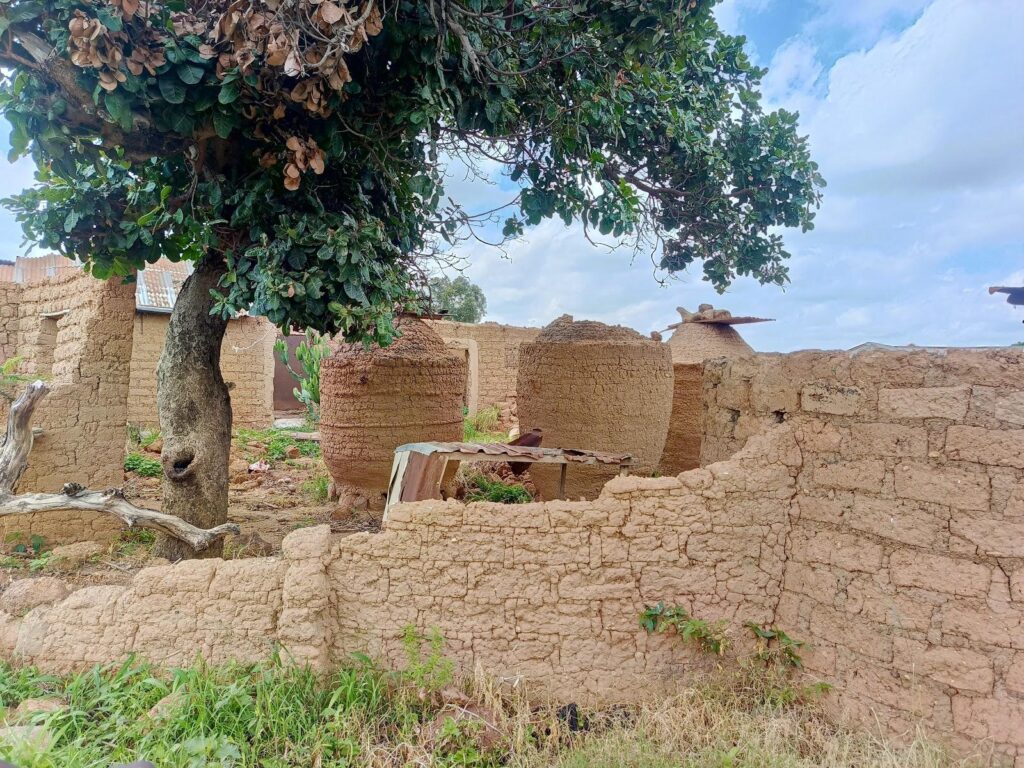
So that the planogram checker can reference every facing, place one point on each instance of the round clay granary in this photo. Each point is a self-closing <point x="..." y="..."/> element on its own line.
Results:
<point x="699" y="336"/>
<point x="374" y="400"/>
<point x="597" y="387"/>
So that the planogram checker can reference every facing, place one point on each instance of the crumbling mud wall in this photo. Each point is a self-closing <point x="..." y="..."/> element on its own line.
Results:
<point x="875" y="509"/>
<point x="905" y="567"/>
<point x="546" y="592"/>
<point x="75" y="332"/>
<point x="246" y="362"/>
<point x="492" y="353"/>
<point x="10" y="298"/>
<point x="691" y="344"/>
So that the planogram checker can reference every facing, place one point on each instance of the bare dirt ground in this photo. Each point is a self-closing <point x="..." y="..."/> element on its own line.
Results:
<point x="275" y="489"/>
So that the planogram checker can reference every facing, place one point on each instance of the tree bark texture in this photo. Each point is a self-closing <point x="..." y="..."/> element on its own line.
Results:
<point x="195" y="412"/>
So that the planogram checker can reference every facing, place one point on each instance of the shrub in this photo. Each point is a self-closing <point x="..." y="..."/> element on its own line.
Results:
<point x="142" y="465"/>
<point x="309" y="353"/>
<point x="483" y="488"/>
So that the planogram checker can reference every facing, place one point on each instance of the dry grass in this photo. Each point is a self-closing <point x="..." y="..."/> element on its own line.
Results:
<point x="276" y="716"/>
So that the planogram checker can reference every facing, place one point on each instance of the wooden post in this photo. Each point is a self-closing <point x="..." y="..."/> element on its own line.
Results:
<point x="561" y="480"/>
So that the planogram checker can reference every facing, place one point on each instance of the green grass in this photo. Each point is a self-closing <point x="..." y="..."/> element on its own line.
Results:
<point x="483" y="488"/>
<point x="275" y="444"/>
<point x="274" y="715"/>
<point x="482" y="426"/>
<point x="142" y="465"/>
<point x="133" y="541"/>
<point x="316" y="488"/>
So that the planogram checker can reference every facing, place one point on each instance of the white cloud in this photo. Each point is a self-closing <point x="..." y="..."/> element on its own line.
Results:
<point x="919" y="137"/>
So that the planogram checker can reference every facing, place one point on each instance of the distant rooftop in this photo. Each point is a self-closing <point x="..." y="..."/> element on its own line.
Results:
<point x="156" y="288"/>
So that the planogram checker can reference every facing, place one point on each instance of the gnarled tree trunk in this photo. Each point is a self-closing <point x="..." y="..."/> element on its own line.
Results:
<point x="195" y="411"/>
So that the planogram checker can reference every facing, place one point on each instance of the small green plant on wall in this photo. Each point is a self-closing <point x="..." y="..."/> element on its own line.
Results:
<point x="775" y="647"/>
<point x="711" y="636"/>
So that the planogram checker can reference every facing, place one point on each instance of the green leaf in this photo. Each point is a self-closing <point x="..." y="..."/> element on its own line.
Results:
<point x="190" y="73"/>
<point x="229" y="92"/>
<point x="71" y="220"/>
<point x="119" y="108"/>
<point x="172" y="90"/>
<point x="223" y="124"/>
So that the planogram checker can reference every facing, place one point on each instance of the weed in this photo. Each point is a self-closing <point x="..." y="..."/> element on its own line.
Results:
<point x="310" y="352"/>
<point x="278" y="715"/>
<point x="710" y="636"/>
<point x="9" y="561"/>
<point x="482" y="426"/>
<point x="775" y="647"/>
<point x="40" y="562"/>
<point x="275" y="444"/>
<point x="430" y="672"/>
<point x="482" y="488"/>
<point x="133" y="541"/>
<point x="140" y="437"/>
<point x="142" y="465"/>
<point x="317" y="488"/>
<point x="22" y="545"/>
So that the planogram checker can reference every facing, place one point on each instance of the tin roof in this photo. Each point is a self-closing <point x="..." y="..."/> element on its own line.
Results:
<point x="156" y="287"/>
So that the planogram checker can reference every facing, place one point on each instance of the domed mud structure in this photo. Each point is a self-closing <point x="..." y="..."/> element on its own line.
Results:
<point x="699" y="336"/>
<point x="373" y="400"/>
<point x="595" y="386"/>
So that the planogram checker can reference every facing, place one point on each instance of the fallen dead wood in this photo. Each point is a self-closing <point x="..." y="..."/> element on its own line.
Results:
<point x="14" y="459"/>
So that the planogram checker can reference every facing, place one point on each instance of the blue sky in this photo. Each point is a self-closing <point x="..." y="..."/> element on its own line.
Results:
<point x="915" y="110"/>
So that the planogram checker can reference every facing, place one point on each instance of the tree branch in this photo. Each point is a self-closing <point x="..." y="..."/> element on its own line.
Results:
<point x="113" y="502"/>
<point x="14" y="459"/>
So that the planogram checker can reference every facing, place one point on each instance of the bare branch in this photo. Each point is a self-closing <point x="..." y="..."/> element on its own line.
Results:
<point x="113" y="502"/>
<point x="14" y="459"/>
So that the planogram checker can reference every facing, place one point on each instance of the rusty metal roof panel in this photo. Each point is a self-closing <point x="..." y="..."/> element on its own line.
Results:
<point x="552" y="455"/>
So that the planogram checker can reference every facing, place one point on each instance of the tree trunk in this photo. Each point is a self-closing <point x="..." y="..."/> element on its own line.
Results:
<point x="195" y="412"/>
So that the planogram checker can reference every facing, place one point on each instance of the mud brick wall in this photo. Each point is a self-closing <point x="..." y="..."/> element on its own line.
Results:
<point x="548" y="592"/>
<point x="76" y="332"/>
<point x="682" y="446"/>
<point x="246" y="362"/>
<point x="905" y="561"/>
<point x="10" y="298"/>
<point x="874" y="507"/>
<point x="492" y="352"/>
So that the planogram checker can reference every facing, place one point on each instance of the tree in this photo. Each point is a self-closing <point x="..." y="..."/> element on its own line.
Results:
<point x="461" y="300"/>
<point x="294" y="150"/>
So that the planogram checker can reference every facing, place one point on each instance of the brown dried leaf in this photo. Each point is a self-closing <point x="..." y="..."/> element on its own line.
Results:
<point x="316" y="162"/>
<point x="331" y="13"/>
<point x="293" y="65"/>
<point x="291" y="183"/>
<point x="207" y="51"/>
<point x="294" y="143"/>
<point x="292" y="171"/>
<point x="374" y="23"/>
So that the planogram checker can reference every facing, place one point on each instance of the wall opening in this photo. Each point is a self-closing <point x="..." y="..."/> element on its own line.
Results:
<point x="46" y="343"/>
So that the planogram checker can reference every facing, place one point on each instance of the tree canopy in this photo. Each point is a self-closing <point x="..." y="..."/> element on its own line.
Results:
<point x="459" y="299"/>
<point x="301" y="142"/>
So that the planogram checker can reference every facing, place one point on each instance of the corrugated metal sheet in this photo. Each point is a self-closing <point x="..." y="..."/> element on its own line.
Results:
<point x="156" y="288"/>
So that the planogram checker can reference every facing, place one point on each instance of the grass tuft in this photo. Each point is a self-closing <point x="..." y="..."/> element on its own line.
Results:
<point x="483" y="426"/>
<point x="276" y="715"/>
<point x="142" y="465"/>
<point x="273" y="444"/>
<point x="479" y="487"/>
